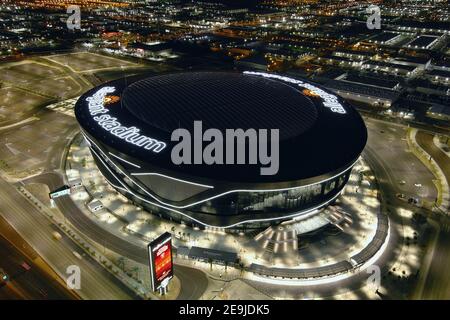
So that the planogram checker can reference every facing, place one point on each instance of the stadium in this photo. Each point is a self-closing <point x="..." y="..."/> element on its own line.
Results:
<point x="128" y="125"/>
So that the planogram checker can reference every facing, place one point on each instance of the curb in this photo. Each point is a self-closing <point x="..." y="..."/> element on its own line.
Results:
<point x="443" y="200"/>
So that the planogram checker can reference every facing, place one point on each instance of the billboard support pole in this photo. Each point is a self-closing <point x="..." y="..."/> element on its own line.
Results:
<point x="163" y="291"/>
<point x="164" y="287"/>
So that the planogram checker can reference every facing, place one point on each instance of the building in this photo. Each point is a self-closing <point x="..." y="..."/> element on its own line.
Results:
<point x="154" y="50"/>
<point x="441" y="27"/>
<point x="257" y="62"/>
<point x="438" y="76"/>
<point x="95" y="205"/>
<point x="420" y="62"/>
<point x="368" y="94"/>
<point x="395" y="69"/>
<point x="354" y="54"/>
<point x="423" y="42"/>
<point x="128" y="126"/>
<point x="439" y="112"/>
<point x="212" y="255"/>
<point x="75" y="183"/>
<point x="341" y="61"/>
<point x="385" y="38"/>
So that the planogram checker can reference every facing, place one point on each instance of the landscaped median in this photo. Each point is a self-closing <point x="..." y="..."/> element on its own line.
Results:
<point x="443" y="198"/>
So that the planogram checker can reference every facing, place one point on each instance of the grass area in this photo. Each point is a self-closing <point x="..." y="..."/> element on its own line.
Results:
<point x="40" y="191"/>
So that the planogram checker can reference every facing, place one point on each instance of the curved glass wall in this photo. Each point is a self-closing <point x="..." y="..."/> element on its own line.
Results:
<point x="232" y="208"/>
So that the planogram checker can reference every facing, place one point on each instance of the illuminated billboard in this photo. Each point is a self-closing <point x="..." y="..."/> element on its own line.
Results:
<point x="161" y="264"/>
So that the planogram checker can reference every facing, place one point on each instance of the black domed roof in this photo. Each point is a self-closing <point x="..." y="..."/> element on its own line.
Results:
<point x="320" y="133"/>
<point x="220" y="100"/>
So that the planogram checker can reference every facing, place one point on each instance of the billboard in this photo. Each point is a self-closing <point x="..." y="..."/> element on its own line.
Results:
<point x="161" y="264"/>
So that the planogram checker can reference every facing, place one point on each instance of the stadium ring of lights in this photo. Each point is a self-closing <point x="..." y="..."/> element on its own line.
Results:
<point x="128" y="124"/>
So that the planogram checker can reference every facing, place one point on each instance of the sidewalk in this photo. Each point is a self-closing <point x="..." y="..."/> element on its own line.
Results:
<point x="443" y="147"/>
<point x="442" y="185"/>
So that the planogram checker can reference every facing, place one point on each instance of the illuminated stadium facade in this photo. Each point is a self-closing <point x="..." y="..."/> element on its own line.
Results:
<point x="128" y="126"/>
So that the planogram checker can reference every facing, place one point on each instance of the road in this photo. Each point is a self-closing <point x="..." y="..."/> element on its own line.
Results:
<point x="96" y="282"/>
<point x="437" y="282"/>
<point x="193" y="282"/>
<point x="33" y="283"/>
<point x="407" y="174"/>
<point x="425" y="141"/>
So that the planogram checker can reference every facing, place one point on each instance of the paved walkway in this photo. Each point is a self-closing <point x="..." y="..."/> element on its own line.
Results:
<point x="444" y="147"/>
<point x="437" y="160"/>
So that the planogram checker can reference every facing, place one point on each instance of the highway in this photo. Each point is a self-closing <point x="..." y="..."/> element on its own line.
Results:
<point x="26" y="279"/>
<point x="96" y="282"/>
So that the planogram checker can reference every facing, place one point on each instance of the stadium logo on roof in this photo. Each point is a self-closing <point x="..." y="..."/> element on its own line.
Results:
<point x="111" y="100"/>
<point x="329" y="100"/>
<point x="96" y="105"/>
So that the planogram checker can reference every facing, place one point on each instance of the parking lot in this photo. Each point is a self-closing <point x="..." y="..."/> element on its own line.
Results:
<point x="86" y="61"/>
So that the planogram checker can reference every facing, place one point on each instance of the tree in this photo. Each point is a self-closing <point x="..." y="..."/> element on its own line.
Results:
<point x="210" y="261"/>
<point x="241" y="267"/>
